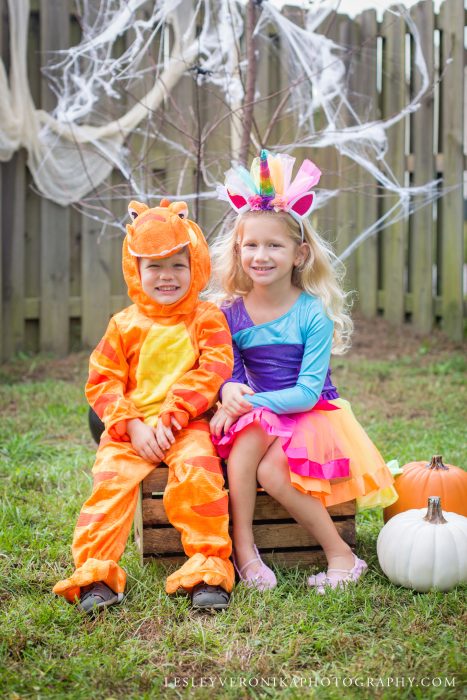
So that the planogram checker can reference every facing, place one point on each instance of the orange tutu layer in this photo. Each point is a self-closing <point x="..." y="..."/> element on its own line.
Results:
<point x="329" y="454"/>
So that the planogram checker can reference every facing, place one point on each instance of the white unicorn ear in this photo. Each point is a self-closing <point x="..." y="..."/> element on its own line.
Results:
<point x="302" y="205"/>
<point x="238" y="202"/>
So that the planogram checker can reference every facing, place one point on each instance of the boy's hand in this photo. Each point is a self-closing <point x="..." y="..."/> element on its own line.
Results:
<point x="220" y="422"/>
<point x="233" y="399"/>
<point x="143" y="439"/>
<point x="164" y="433"/>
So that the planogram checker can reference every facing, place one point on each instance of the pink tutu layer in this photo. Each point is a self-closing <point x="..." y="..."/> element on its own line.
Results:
<point x="272" y="424"/>
<point x="329" y="454"/>
<point x="285" y="427"/>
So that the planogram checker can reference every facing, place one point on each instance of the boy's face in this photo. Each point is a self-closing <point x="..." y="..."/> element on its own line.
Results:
<point x="166" y="280"/>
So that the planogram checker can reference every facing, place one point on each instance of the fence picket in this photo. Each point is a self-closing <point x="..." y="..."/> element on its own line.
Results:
<point x="95" y="283"/>
<point x="2" y="328"/>
<point x="367" y="204"/>
<point x="55" y="219"/>
<point x="13" y="225"/>
<point x="3" y="26"/>
<point x="328" y="160"/>
<point x="394" y="99"/>
<point x="215" y="145"/>
<point x="421" y="224"/>
<point x="32" y="233"/>
<point x="349" y="37"/>
<point x="452" y="104"/>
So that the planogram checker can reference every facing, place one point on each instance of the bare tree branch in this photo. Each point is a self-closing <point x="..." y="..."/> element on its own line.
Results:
<point x="250" y="81"/>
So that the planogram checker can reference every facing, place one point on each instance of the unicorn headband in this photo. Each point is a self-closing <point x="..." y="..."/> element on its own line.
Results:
<point x="269" y="186"/>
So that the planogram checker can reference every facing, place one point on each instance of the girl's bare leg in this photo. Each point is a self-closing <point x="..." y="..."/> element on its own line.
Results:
<point x="273" y="475"/>
<point x="247" y="452"/>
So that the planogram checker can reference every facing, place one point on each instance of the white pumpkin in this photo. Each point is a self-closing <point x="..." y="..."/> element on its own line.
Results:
<point x="424" y="550"/>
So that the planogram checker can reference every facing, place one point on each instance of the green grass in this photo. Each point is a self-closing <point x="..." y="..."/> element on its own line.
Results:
<point x="287" y="642"/>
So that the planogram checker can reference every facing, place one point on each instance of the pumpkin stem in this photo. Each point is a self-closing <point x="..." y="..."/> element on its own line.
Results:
<point x="434" y="514"/>
<point x="437" y="463"/>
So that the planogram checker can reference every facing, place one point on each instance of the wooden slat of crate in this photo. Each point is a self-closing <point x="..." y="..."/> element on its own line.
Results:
<point x="155" y="482"/>
<point x="153" y="511"/>
<point x="268" y="536"/>
<point x="278" y="537"/>
<point x="311" y="556"/>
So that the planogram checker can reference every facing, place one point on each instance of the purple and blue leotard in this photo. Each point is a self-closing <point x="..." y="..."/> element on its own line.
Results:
<point x="284" y="361"/>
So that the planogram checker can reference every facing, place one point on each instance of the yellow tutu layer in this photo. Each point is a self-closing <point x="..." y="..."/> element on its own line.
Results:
<point x="369" y="481"/>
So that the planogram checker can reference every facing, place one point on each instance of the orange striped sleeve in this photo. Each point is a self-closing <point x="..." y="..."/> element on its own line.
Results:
<point x="220" y="368"/>
<point x="107" y="383"/>
<point x="218" y="338"/>
<point x="106" y="349"/>
<point x="199" y="402"/>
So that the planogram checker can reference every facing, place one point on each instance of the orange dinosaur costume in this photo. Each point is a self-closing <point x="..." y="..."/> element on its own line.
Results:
<point x="156" y="361"/>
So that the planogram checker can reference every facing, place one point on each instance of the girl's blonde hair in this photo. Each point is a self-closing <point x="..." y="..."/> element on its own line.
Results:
<point x="321" y="274"/>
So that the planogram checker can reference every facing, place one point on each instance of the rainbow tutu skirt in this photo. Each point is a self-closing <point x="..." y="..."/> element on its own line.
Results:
<point x="329" y="454"/>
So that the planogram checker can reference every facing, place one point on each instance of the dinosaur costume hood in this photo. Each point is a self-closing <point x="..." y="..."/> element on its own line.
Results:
<point x="160" y="232"/>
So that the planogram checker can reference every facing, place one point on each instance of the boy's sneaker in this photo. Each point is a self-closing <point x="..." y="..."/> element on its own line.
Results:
<point x="97" y="596"/>
<point x="206" y="597"/>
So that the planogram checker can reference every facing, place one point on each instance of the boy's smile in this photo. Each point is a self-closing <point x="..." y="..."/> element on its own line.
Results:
<point x="166" y="280"/>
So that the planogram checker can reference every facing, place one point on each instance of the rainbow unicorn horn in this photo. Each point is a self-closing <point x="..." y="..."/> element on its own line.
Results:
<point x="266" y="188"/>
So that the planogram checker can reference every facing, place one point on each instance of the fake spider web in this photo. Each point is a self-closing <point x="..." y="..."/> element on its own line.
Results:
<point x="117" y="84"/>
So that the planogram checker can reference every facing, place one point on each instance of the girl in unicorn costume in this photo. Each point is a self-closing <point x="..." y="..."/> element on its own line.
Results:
<point x="152" y="378"/>
<point x="282" y="421"/>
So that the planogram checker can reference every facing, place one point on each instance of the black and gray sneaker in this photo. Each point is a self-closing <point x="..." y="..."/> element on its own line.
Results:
<point x="97" y="596"/>
<point x="206" y="597"/>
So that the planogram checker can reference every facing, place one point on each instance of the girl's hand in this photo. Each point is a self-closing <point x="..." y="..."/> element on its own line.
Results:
<point x="143" y="439"/>
<point x="220" y="422"/>
<point x="233" y="399"/>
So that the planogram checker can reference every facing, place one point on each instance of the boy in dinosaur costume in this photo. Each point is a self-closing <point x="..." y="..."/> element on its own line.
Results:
<point x="154" y="374"/>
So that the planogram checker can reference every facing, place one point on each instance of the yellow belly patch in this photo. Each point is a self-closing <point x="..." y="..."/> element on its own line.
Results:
<point x="166" y="355"/>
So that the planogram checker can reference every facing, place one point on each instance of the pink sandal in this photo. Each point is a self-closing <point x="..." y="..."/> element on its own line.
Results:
<point x="262" y="580"/>
<point x="334" y="578"/>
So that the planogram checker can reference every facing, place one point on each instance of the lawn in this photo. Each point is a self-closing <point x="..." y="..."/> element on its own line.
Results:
<point x="374" y="640"/>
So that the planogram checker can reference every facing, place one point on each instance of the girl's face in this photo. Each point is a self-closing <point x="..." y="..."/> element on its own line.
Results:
<point x="268" y="254"/>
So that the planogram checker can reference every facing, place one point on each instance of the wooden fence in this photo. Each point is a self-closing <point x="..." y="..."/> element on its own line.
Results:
<point x="61" y="280"/>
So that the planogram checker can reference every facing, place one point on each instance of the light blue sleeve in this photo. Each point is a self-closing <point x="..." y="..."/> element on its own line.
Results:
<point x="315" y="364"/>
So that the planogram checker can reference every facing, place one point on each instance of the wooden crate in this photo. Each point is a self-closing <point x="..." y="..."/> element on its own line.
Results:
<point x="278" y="537"/>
